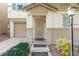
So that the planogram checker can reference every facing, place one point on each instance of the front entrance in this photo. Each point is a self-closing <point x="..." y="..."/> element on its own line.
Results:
<point x="39" y="26"/>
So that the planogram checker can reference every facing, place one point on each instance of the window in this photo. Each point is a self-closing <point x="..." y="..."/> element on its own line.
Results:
<point x="17" y="6"/>
<point x="66" y="20"/>
<point x="14" y="6"/>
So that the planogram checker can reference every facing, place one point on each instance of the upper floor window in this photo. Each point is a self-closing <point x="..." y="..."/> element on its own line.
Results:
<point x="17" y="6"/>
<point x="66" y="21"/>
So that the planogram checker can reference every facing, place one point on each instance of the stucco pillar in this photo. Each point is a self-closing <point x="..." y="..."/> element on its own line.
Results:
<point x="11" y="29"/>
<point x="49" y="27"/>
<point x="29" y="27"/>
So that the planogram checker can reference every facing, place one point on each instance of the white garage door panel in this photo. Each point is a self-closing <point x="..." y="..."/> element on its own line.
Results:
<point x="20" y="30"/>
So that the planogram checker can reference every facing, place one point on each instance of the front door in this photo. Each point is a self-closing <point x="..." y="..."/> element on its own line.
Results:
<point x="39" y="27"/>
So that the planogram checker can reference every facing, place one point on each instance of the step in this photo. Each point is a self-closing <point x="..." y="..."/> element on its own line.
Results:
<point x="39" y="54"/>
<point x="39" y="45"/>
<point x="39" y="39"/>
<point x="39" y="48"/>
<point x="37" y="42"/>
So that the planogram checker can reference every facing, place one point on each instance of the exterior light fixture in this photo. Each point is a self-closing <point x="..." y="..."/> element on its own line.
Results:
<point x="71" y="10"/>
<point x="71" y="13"/>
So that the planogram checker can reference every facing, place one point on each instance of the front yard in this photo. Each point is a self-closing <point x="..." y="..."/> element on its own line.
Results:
<point x="21" y="49"/>
<point x="9" y="46"/>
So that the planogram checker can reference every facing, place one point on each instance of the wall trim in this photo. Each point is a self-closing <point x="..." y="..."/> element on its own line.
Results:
<point x="61" y="28"/>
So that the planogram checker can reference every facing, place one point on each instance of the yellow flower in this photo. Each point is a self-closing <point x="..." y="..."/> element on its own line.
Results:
<point x="63" y="46"/>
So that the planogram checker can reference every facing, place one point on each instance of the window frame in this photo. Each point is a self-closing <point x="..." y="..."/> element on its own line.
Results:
<point x="65" y="24"/>
<point x="15" y="6"/>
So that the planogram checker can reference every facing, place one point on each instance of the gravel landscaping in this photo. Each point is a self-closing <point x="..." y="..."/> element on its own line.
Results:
<point x="3" y="37"/>
<point x="55" y="52"/>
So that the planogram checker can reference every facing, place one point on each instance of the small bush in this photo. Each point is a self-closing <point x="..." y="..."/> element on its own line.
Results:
<point x="19" y="50"/>
<point x="64" y="46"/>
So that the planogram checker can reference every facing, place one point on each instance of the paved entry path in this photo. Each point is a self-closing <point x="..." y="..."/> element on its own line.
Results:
<point x="7" y="44"/>
<point x="39" y="48"/>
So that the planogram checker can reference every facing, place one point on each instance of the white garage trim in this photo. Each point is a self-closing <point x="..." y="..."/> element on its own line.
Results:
<point x="12" y="24"/>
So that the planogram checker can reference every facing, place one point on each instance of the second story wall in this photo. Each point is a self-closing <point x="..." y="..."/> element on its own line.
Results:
<point x="56" y="20"/>
<point x="14" y="13"/>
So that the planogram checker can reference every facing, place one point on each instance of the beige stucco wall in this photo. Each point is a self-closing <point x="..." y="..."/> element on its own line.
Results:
<point x="29" y="34"/>
<point x="53" y="19"/>
<point x="53" y="34"/>
<point x="54" y="25"/>
<point x="55" y="29"/>
<point x="3" y="18"/>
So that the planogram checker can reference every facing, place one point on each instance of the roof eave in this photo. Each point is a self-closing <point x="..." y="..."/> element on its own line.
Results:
<point x="35" y="4"/>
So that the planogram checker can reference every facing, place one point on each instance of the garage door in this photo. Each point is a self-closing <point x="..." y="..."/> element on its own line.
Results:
<point x="20" y="29"/>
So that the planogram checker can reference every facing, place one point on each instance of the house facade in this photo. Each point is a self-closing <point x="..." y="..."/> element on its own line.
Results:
<point x="3" y="18"/>
<point x="48" y="21"/>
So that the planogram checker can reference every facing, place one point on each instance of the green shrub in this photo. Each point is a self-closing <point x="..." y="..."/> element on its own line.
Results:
<point x="64" y="46"/>
<point x="19" y="50"/>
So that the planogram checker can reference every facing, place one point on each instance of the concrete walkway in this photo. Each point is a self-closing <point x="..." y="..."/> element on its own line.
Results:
<point x="5" y="45"/>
